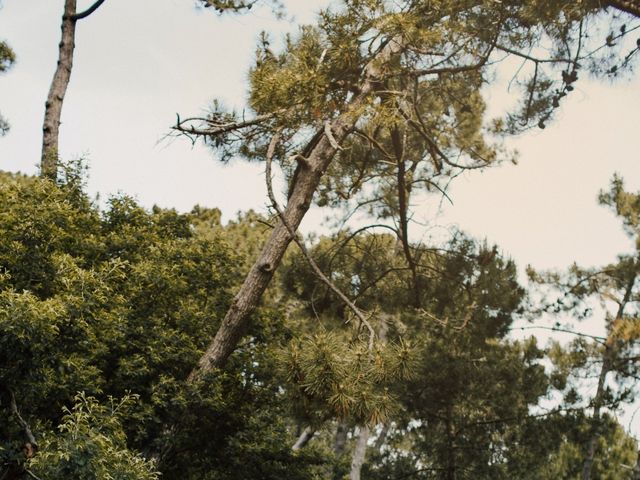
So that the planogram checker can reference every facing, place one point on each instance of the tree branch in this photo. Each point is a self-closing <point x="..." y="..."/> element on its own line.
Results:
<point x="79" y="16"/>
<point x="303" y="248"/>
<point x="31" y="445"/>
<point x="217" y="128"/>
<point x="303" y="439"/>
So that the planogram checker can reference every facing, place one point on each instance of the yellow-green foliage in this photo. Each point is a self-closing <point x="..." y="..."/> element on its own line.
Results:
<point x="336" y="377"/>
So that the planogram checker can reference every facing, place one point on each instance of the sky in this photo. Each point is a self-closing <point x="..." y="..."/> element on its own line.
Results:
<point x="138" y="63"/>
<point x="136" y="66"/>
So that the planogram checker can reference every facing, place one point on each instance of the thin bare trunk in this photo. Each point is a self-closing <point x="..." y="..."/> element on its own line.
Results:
<point x="403" y="207"/>
<point x="57" y="91"/>
<point x="359" y="453"/>
<point x="58" y="88"/>
<point x="608" y="357"/>
<point x="319" y="156"/>
<point x="340" y="440"/>
<point x="597" y="406"/>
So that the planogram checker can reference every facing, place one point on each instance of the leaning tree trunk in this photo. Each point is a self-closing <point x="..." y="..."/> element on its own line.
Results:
<point x="58" y="88"/>
<point x="320" y="154"/>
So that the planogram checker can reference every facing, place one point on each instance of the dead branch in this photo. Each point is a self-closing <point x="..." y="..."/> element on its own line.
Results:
<point x="31" y="446"/>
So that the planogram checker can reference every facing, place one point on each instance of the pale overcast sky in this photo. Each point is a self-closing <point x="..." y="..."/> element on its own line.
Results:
<point x="139" y="62"/>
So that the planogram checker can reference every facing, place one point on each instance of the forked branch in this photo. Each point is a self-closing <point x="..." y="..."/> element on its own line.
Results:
<point x="303" y="249"/>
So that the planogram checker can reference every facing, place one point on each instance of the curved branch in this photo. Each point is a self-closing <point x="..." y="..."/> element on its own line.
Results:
<point x="314" y="266"/>
<point x="79" y="16"/>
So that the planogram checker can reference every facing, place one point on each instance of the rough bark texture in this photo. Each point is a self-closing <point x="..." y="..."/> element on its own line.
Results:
<point x="58" y="88"/>
<point x="359" y="453"/>
<point x="57" y="91"/>
<point x="306" y="183"/>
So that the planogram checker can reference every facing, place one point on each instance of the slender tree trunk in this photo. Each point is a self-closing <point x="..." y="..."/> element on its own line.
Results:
<point x="359" y="453"/>
<point x="340" y="440"/>
<point x="320" y="155"/>
<point x="450" y="472"/>
<point x="597" y="406"/>
<point x="382" y="437"/>
<point x="403" y="207"/>
<point x="608" y="357"/>
<point x="57" y="91"/>
<point x="59" y="84"/>
<point x="364" y="432"/>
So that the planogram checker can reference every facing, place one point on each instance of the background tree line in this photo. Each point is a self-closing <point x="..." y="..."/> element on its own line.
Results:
<point x="126" y="355"/>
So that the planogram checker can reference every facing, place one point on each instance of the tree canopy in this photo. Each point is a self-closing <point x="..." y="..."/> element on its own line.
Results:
<point x="145" y="343"/>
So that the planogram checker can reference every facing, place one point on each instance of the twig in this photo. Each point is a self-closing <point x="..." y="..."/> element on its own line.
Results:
<point x="31" y="440"/>
<point x="562" y="330"/>
<point x="87" y="12"/>
<point x="32" y="475"/>
<point x="303" y="248"/>
<point x="217" y="128"/>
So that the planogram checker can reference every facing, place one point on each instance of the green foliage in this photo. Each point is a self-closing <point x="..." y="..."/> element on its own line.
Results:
<point x="122" y="303"/>
<point x="7" y="59"/>
<point x="91" y="444"/>
<point x="345" y="380"/>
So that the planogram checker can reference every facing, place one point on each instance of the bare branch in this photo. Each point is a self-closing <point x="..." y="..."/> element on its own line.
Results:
<point x="87" y="12"/>
<point x="562" y="330"/>
<point x="32" y="444"/>
<point x="216" y="127"/>
<point x="303" y="248"/>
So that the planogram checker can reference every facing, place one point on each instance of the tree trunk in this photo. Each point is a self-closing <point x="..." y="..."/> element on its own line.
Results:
<point x="57" y="91"/>
<point x="359" y="453"/>
<point x="597" y="406"/>
<point x="320" y="154"/>
<point x="340" y="440"/>
<point x="58" y="88"/>
<point x="608" y="357"/>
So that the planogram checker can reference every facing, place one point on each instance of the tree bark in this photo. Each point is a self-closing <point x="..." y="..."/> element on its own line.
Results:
<point x="340" y="439"/>
<point x="58" y="88"/>
<point x="359" y="453"/>
<point x="321" y="153"/>
<point x="57" y="91"/>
